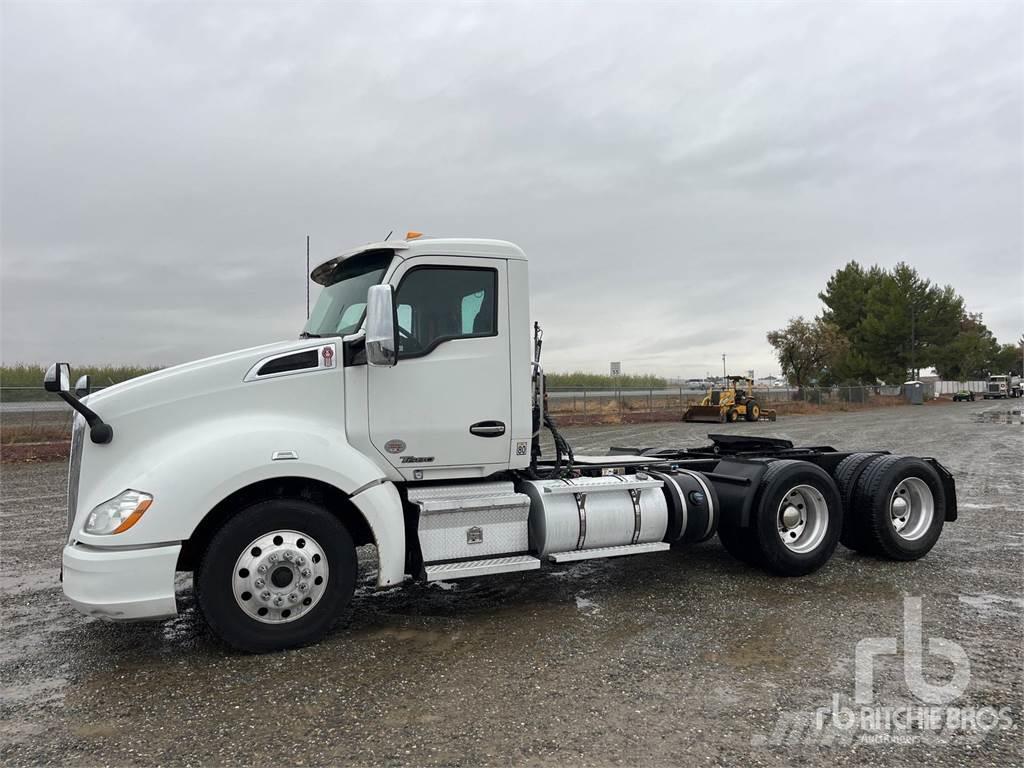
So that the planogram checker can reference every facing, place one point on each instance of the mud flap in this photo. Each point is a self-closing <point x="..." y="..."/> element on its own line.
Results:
<point x="736" y="482"/>
<point x="948" y="487"/>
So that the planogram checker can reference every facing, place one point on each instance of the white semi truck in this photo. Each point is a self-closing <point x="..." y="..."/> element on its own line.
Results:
<point x="1002" y="386"/>
<point x="408" y="415"/>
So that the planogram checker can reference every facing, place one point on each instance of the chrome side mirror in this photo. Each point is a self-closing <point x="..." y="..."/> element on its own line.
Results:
<point x="381" y="327"/>
<point x="83" y="386"/>
<point x="58" y="378"/>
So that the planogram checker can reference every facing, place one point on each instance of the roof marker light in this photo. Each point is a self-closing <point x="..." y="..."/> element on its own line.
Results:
<point x="413" y="235"/>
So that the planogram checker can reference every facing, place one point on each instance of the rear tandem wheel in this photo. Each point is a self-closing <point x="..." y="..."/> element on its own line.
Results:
<point x="795" y="524"/>
<point x="899" y="507"/>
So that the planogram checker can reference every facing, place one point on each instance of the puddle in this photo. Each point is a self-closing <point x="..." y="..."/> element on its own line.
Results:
<point x="987" y="604"/>
<point x="585" y="605"/>
<point x="1011" y="416"/>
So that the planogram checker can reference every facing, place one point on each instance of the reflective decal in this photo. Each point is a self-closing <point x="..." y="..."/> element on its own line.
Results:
<point x="394" y="446"/>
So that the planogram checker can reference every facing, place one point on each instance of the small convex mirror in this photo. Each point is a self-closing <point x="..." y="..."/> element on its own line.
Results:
<point x="57" y="378"/>
<point x="381" y="327"/>
<point x="83" y="386"/>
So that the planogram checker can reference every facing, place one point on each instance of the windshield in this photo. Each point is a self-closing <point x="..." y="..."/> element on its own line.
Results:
<point x="339" y="309"/>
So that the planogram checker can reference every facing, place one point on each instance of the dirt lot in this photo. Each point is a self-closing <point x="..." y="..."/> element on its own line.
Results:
<point x="675" y="658"/>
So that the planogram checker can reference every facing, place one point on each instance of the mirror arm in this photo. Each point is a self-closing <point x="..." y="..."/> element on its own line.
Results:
<point x="99" y="430"/>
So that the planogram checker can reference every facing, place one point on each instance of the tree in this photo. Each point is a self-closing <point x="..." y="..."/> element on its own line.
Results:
<point x="809" y="351"/>
<point x="970" y="354"/>
<point x="845" y="297"/>
<point x="896" y="321"/>
<point x="1007" y="359"/>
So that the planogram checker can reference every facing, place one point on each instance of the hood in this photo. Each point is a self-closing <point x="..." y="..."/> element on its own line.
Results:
<point x="197" y="378"/>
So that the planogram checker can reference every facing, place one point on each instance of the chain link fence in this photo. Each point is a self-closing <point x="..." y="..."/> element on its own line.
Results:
<point x="28" y="414"/>
<point x="581" y="406"/>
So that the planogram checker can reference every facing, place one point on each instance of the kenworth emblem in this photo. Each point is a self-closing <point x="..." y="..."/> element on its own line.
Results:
<point x="327" y="353"/>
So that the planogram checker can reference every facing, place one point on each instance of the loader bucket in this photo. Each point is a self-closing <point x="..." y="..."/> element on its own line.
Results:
<point x="711" y="414"/>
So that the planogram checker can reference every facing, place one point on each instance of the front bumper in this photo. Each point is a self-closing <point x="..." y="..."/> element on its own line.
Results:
<point x="121" y="584"/>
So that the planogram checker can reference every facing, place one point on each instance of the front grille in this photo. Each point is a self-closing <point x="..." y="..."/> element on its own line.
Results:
<point x="75" y="467"/>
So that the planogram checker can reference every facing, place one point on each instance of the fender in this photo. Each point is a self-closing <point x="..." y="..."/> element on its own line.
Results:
<point x="189" y="471"/>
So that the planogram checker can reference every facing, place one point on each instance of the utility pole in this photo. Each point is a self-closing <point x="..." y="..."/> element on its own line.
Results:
<point x="913" y="340"/>
<point x="725" y="372"/>
<point x="307" y="277"/>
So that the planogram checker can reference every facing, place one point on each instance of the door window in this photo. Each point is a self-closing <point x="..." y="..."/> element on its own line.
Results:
<point x="437" y="304"/>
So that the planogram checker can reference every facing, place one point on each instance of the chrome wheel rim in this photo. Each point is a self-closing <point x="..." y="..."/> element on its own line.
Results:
<point x="911" y="508"/>
<point x="280" y="577"/>
<point x="802" y="518"/>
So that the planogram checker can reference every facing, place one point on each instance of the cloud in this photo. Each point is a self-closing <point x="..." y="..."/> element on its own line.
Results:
<point x="683" y="177"/>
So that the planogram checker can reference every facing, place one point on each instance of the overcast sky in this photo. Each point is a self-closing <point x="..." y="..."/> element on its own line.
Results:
<point x="683" y="177"/>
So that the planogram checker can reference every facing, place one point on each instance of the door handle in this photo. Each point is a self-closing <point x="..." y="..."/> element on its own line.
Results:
<point x="488" y="429"/>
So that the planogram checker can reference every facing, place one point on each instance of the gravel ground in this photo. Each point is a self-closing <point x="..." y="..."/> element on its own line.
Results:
<point x="673" y="658"/>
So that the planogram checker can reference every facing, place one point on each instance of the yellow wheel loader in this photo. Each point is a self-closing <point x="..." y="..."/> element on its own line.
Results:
<point x="733" y="403"/>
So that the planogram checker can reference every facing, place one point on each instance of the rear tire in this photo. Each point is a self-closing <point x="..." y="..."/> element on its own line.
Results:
<point x="741" y="543"/>
<point x="753" y="410"/>
<point x="798" y="517"/>
<point x="276" y="576"/>
<point x="902" y="505"/>
<point x="847" y="474"/>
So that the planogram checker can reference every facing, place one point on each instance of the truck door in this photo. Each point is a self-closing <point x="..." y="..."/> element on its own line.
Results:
<point x="447" y="403"/>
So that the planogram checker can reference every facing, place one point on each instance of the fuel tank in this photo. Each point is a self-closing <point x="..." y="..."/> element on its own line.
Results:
<point x="594" y="512"/>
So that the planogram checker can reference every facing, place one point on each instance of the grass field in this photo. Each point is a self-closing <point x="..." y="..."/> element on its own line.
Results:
<point x="601" y="381"/>
<point x="24" y="383"/>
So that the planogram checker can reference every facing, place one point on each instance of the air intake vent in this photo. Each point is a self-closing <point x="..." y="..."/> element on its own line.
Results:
<point x="295" y="362"/>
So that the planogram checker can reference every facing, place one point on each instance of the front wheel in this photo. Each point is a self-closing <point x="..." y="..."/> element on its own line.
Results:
<point x="276" y="576"/>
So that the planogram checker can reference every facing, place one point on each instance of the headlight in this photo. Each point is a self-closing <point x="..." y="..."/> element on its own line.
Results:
<point x="118" y="514"/>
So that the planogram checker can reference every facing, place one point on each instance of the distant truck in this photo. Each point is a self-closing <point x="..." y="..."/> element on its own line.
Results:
<point x="1003" y="386"/>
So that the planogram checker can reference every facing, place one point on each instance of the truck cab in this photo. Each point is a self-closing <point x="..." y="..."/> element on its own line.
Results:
<point x="1003" y="386"/>
<point x="458" y="406"/>
<point x="407" y="416"/>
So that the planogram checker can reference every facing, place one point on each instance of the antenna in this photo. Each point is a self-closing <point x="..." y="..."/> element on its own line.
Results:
<point x="389" y="235"/>
<point x="307" y="277"/>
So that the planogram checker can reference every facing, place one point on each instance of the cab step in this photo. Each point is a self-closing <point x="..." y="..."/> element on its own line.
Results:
<point x="468" y="568"/>
<point x="593" y="554"/>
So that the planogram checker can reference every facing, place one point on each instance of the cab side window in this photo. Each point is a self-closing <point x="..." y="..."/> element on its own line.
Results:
<point x="437" y="304"/>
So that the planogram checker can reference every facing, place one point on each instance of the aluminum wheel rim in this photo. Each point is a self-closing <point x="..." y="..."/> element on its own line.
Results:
<point x="280" y="577"/>
<point x="802" y="518"/>
<point x="911" y="508"/>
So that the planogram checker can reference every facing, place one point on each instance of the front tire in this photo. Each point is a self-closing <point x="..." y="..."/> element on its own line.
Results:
<point x="276" y="576"/>
<point x="753" y="410"/>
